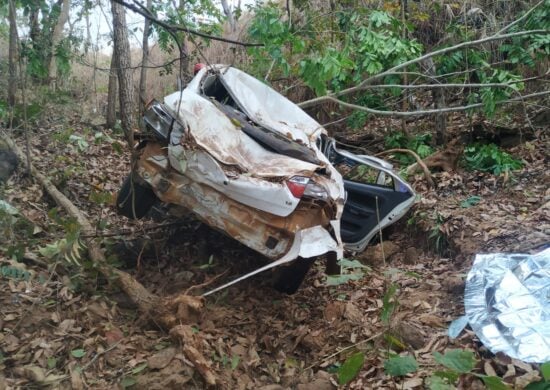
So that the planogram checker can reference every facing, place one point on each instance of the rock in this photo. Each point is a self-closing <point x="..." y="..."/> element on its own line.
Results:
<point x="454" y="285"/>
<point x="8" y="162"/>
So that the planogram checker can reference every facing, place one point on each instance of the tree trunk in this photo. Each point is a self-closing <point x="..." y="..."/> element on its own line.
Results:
<point x="12" y="80"/>
<point x="230" y="16"/>
<point x="123" y="64"/>
<point x="184" y="55"/>
<point x="110" y="116"/>
<point x="56" y="39"/>
<point x="438" y="96"/>
<point x="144" y="61"/>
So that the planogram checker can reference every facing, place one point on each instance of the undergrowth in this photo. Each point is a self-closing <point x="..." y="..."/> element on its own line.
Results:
<point x="489" y="158"/>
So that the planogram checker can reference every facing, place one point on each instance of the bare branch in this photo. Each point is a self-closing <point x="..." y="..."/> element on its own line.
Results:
<point x="143" y="11"/>
<point x="419" y="161"/>
<point x="401" y="114"/>
<point x="505" y="28"/>
<point x="370" y="80"/>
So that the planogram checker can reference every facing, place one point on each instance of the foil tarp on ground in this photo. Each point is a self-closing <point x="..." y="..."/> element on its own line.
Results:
<point x="507" y="303"/>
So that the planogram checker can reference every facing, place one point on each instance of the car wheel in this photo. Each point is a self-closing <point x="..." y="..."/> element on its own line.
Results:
<point x="134" y="200"/>
<point x="291" y="277"/>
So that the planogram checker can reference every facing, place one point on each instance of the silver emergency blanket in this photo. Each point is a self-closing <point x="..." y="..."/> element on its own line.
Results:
<point x="507" y="303"/>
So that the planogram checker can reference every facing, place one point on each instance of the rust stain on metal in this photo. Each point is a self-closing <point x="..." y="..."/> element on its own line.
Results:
<point x="250" y="226"/>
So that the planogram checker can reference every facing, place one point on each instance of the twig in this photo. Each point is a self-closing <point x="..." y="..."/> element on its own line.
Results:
<point x="97" y="355"/>
<point x="401" y="114"/>
<point x="418" y="160"/>
<point x="208" y="282"/>
<point x="520" y="19"/>
<point x="344" y="350"/>
<point x="462" y="45"/>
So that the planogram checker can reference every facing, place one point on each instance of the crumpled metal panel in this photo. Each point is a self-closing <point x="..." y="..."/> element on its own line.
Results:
<point x="507" y="302"/>
<point x="270" y="109"/>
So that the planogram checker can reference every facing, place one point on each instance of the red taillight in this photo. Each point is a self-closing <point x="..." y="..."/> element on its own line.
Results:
<point x="297" y="185"/>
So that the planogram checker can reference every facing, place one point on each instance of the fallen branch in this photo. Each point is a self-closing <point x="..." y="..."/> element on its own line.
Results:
<point x="143" y="11"/>
<point x="168" y="312"/>
<point x="446" y="159"/>
<point x="370" y="80"/>
<point x="402" y="114"/>
<point x="419" y="161"/>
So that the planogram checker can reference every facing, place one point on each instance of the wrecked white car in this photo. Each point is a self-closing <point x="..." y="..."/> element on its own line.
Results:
<point x="247" y="161"/>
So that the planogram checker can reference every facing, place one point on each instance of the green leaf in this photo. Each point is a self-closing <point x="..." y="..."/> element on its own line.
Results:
<point x="439" y="383"/>
<point x="545" y="371"/>
<point x="400" y="365"/>
<point x="471" y="201"/>
<point x="451" y="376"/>
<point x="78" y="353"/>
<point x="51" y="362"/>
<point x="127" y="381"/>
<point x="337" y="280"/>
<point x="457" y="360"/>
<point x="140" y="368"/>
<point x="540" y="385"/>
<point x="350" y="368"/>
<point x="494" y="383"/>
<point x="235" y="361"/>
<point x="351" y="263"/>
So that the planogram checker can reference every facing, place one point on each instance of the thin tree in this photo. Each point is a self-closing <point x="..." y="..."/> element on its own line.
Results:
<point x="228" y="11"/>
<point x="124" y="71"/>
<point x="110" y="115"/>
<point x="12" y="80"/>
<point x="184" y="53"/>
<point x="57" y="35"/>
<point x="144" y="61"/>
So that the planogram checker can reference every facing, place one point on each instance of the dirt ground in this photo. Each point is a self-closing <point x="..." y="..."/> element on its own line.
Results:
<point x="63" y="326"/>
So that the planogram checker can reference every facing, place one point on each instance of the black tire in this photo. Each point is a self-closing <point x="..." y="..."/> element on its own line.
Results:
<point x="134" y="200"/>
<point x="291" y="277"/>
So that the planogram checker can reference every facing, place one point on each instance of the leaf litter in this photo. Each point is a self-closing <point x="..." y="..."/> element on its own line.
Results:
<point x="64" y="326"/>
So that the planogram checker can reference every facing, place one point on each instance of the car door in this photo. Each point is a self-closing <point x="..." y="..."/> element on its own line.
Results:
<point x="376" y="196"/>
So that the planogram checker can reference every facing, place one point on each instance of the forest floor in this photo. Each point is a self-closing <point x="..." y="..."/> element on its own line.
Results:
<point x="64" y="326"/>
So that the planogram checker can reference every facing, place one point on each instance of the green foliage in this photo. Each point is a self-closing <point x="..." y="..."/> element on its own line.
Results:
<point x="471" y="201"/>
<point x="78" y="353"/>
<point x="543" y="384"/>
<point x="437" y="236"/>
<point x="350" y="368"/>
<point x="362" y="42"/>
<point x="545" y="371"/>
<point x="420" y="144"/>
<point x="457" y="360"/>
<point x="460" y="362"/>
<point x="70" y="248"/>
<point x="400" y="365"/>
<point x="13" y="227"/>
<point x="201" y="15"/>
<point x="11" y="272"/>
<point x="489" y="158"/>
<point x="350" y="270"/>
